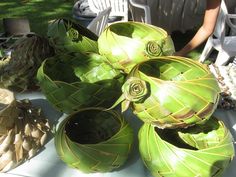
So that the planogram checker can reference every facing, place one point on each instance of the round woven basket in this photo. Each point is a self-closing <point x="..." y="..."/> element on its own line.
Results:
<point x="23" y="130"/>
<point x="171" y="92"/>
<point x="94" y="140"/>
<point x="204" y="150"/>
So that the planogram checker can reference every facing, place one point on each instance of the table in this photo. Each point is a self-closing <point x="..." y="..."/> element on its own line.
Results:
<point x="47" y="164"/>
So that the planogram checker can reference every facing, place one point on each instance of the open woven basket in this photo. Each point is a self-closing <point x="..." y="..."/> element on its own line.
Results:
<point x="23" y="130"/>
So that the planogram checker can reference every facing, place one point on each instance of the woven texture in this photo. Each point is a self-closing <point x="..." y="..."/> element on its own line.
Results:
<point x="67" y="36"/>
<point x="86" y="81"/>
<point x="198" y="151"/>
<point x="128" y="43"/>
<point x="93" y="140"/>
<point x="171" y="92"/>
<point x="23" y="131"/>
<point x="18" y="71"/>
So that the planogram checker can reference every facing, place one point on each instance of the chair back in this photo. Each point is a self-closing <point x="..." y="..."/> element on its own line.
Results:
<point x="219" y="30"/>
<point x="221" y="40"/>
<point x="98" y="24"/>
<point x="118" y="7"/>
<point x="146" y="9"/>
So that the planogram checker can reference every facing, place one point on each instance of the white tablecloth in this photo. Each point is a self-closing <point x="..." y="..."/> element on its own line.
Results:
<point x="47" y="164"/>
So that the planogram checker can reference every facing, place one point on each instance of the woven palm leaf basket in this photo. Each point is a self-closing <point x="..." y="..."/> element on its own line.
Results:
<point x="93" y="140"/>
<point x="23" y="130"/>
<point x="128" y="43"/>
<point x="202" y="150"/>
<point x="21" y="60"/>
<point x="73" y="81"/>
<point x="171" y="92"/>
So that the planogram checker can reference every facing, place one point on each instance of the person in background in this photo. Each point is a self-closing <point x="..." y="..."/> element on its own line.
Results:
<point x="207" y="28"/>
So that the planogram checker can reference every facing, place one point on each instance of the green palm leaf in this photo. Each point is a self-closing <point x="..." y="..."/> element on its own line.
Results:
<point x="93" y="140"/>
<point x="67" y="36"/>
<point x="171" y="92"/>
<point x="128" y="43"/>
<point x="204" y="150"/>
<point x="74" y="81"/>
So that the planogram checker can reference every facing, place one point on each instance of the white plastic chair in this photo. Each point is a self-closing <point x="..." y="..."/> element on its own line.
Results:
<point x="231" y="20"/>
<point x="98" y="24"/>
<point x="146" y="8"/>
<point x="225" y="45"/>
<point x="119" y="8"/>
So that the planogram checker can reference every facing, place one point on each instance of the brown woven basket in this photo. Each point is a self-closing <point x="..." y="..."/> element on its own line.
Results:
<point x="23" y="130"/>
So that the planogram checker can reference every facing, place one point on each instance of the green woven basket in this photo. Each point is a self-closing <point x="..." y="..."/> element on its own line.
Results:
<point x="171" y="92"/>
<point x="94" y="140"/>
<point x="65" y="35"/>
<point x="128" y="43"/>
<point x="73" y="81"/>
<point x="204" y="150"/>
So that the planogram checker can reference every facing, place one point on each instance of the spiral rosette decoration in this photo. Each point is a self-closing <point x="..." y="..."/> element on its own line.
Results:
<point x="204" y="150"/>
<point x="171" y="92"/>
<point x="23" y="130"/>
<point x="67" y="36"/>
<point x="18" y="69"/>
<point x="73" y="81"/>
<point x="94" y="140"/>
<point x="128" y="43"/>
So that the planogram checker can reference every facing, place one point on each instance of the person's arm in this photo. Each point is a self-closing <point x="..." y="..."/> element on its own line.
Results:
<point x="207" y="28"/>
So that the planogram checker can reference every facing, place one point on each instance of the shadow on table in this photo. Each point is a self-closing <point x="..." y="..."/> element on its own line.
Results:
<point x="135" y="123"/>
<point x="227" y="172"/>
<point x="57" y="169"/>
<point x="50" y="113"/>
